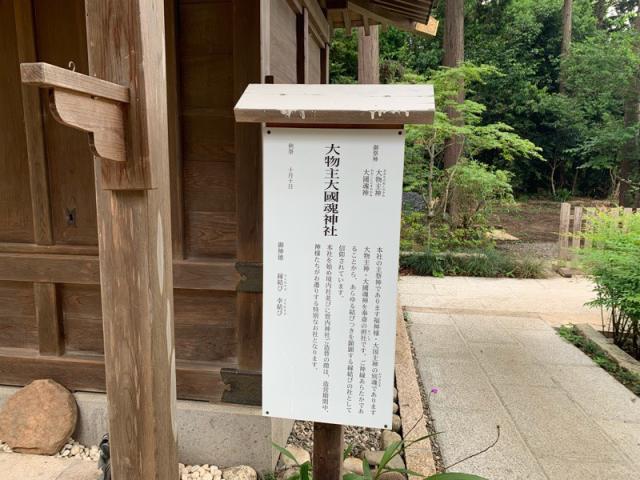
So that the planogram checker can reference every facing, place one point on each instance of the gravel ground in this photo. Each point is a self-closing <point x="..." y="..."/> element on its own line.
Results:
<point x="546" y="251"/>
<point x="361" y="438"/>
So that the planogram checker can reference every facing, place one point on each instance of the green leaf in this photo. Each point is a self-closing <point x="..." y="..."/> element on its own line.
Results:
<point x="305" y="471"/>
<point x="366" y="469"/>
<point x="347" y="451"/>
<point x="285" y="452"/>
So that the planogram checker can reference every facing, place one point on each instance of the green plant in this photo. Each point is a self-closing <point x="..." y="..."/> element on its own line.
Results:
<point x="629" y="379"/>
<point x="479" y="263"/>
<point x="612" y="260"/>
<point x="392" y="451"/>
<point x="562" y="195"/>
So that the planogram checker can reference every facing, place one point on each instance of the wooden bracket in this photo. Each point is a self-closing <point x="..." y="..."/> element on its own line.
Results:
<point x="241" y="387"/>
<point x="85" y="103"/>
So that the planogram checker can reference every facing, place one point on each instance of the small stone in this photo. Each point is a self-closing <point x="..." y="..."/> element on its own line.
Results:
<point x="207" y="476"/>
<point x="395" y="394"/>
<point x="353" y="465"/>
<point x="396" y="408"/>
<point x="288" y="473"/>
<point x="374" y="459"/>
<point x="241" y="472"/>
<point x="39" y="418"/>
<point x="300" y="454"/>
<point x="397" y="423"/>
<point x="388" y="437"/>
<point x="75" y="450"/>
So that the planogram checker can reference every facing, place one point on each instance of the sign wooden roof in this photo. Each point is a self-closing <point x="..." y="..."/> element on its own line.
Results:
<point x="336" y="104"/>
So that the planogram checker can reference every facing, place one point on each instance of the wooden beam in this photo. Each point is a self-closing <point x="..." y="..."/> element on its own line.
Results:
<point x="302" y="46"/>
<point x="47" y="75"/>
<point x="219" y="275"/>
<point x="318" y="19"/>
<point x="368" y="56"/>
<point x="249" y="34"/>
<point x="34" y="129"/>
<point x="386" y="16"/>
<point x="50" y="338"/>
<point x="87" y="373"/>
<point x="346" y="18"/>
<point x="325" y="64"/>
<point x="175" y="141"/>
<point x="126" y="46"/>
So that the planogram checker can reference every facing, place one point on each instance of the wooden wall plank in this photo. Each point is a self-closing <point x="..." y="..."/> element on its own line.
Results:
<point x="173" y="115"/>
<point x="211" y="234"/>
<point x="213" y="274"/>
<point x="283" y="43"/>
<point x="248" y="36"/>
<point x="302" y="46"/>
<point x="325" y="64"/>
<point x="16" y="222"/>
<point x="32" y="108"/>
<point x="61" y="38"/>
<point x="18" y="326"/>
<point x="87" y="373"/>
<point x="50" y="336"/>
<point x="315" y="69"/>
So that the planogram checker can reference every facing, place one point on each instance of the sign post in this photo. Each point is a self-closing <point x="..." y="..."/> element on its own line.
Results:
<point x="332" y="172"/>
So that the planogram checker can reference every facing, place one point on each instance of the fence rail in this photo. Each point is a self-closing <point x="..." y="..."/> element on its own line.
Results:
<point x="574" y="221"/>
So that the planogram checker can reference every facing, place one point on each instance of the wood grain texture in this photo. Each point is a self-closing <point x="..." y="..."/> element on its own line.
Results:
<point x="50" y="335"/>
<point x="87" y="373"/>
<point x="16" y="221"/>
<point x="283" y="43"/>
<point x="61" y="38"/>
<point x="339" y="104"/>
<point x="34" y="130"/>
<point x="302" y="46"/>
<point x="18" y="326"/>
<point x="369" y="56"/>
<point x="103" y="120"/>
<point x="328" y="445"/>
<point x="315" y="61"/>
<point x="173" y="117"/>
<point x="134" y="221"/>
<point x="211" y="274"/>
<point x="325" y="64"/>
<point x="43" y="74"/>
<point x="248" y="39"/>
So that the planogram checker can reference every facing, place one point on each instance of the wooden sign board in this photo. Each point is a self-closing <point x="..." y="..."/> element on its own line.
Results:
<point x="332" y="203"/>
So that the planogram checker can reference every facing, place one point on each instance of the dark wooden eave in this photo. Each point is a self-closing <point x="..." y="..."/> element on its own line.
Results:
<point x="410" y="15"/>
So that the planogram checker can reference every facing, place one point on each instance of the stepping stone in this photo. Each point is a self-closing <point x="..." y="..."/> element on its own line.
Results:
<point x="374" y="458"/>
<point x="39" y="418"/>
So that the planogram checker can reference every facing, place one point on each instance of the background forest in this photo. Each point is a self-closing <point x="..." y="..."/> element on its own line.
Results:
<point x="551" y="102"/>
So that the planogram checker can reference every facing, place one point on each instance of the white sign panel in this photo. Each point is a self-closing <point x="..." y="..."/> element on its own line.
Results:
<point x="332" y="202"/>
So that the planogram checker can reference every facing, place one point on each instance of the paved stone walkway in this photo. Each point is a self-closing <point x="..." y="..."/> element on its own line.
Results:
<point x="489" y="346"/>
<point x="14" y="466"/>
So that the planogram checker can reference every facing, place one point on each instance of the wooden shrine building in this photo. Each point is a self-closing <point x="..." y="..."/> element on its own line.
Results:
<point x="51" y="309"/>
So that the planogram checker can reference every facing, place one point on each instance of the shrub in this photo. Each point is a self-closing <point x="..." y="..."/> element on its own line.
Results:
<point x="612" y="261"/>
<point x="487" y="263"/>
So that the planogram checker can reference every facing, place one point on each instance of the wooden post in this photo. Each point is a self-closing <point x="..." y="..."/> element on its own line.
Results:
<point x="369" y="56"/>
<point x="126" y="46"/>
<point x="328" y="446"/>
<point x="563" y="240"/>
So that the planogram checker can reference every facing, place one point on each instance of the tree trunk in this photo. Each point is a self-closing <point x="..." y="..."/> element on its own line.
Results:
<point x="453" y="57"/>
<point x="600" y="10"/>
<point x="629" y="162"/>
<point x="565" y="48"/>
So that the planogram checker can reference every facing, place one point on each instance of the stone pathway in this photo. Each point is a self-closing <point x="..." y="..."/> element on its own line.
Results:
<point x="490" y="348"/>
<point x="18" y="466"/>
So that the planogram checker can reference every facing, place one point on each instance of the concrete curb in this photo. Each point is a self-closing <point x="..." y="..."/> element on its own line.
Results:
<point x="621" y="357"/>
<point x="419" y="457"/>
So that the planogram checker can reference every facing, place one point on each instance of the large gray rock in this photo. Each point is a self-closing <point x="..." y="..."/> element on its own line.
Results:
<point x="39" y="418"/>
<point x="413" y="201"/>
<point x="242" y="472"/>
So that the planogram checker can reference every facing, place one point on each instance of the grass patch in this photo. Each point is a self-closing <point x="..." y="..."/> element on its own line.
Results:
<point x="629" y="379"/>
<point x="487" y="263"/>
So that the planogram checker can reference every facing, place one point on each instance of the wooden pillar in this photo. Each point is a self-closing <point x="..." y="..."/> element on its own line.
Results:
<point x="328" y="445"/>
<point x="369" y="55"/>
<point x="126" y="45"/>
<point x="325" y="64"/>
<point x="302" y="46"/>
<point x="251" y="65"/>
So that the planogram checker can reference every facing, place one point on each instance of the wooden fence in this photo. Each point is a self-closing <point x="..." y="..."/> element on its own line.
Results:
<point x="574" y="221"/>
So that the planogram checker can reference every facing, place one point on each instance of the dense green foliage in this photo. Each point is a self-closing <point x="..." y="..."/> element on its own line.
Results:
<point x="483" y="263"/>
<point x="599" y="356"/>
<point x="581" y="132"/>
<point x="613" y="260"/>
